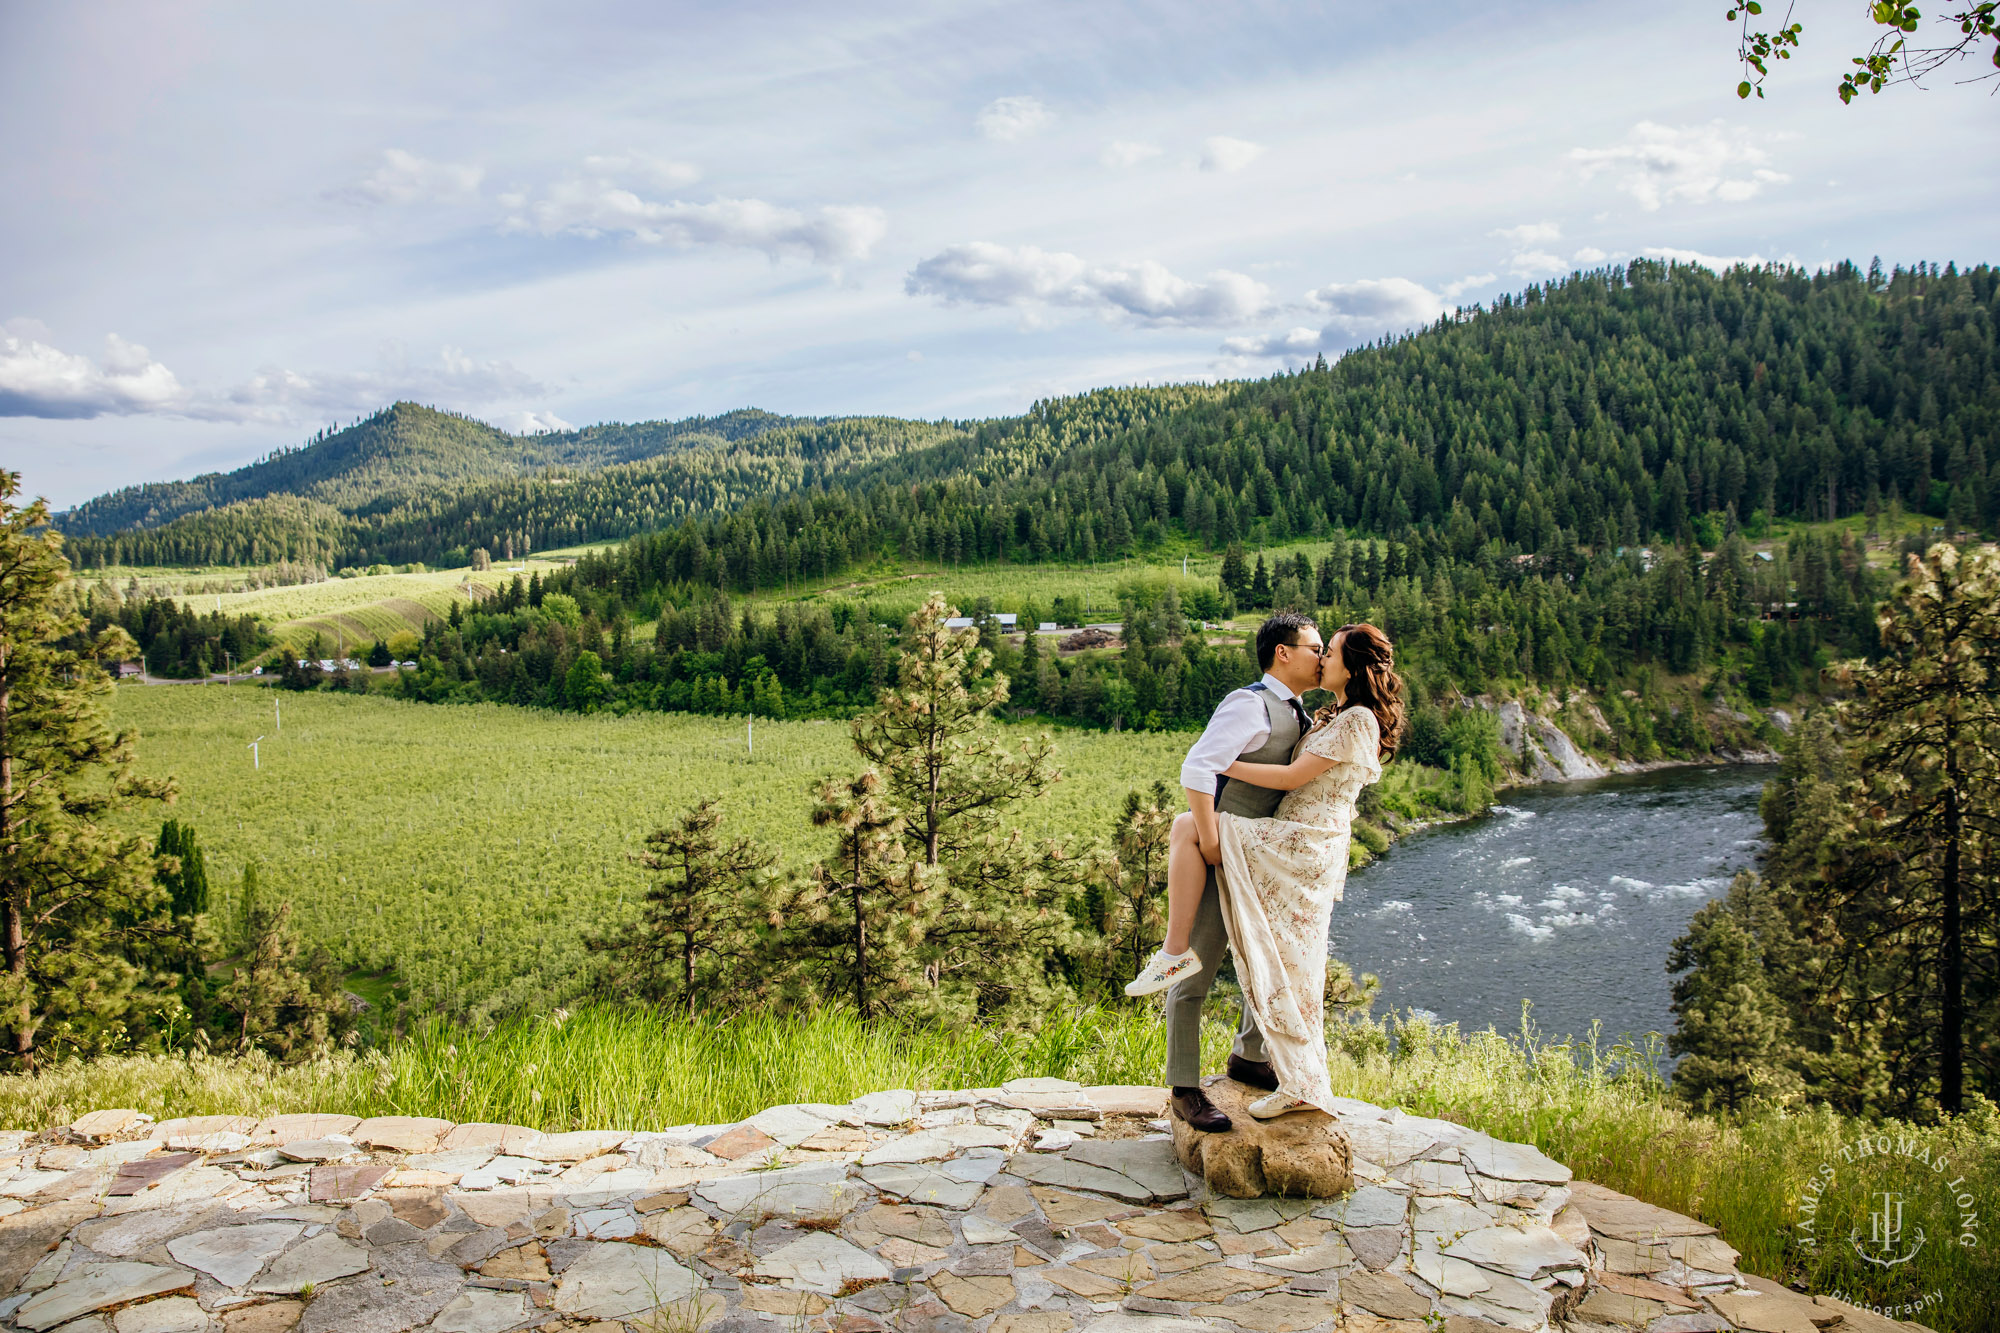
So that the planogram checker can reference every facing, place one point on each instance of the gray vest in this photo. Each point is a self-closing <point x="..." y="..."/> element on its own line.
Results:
<point x="1243" y="798"/>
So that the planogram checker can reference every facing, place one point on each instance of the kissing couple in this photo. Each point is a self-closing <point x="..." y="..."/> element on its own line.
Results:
<point x="1260" y="858"/>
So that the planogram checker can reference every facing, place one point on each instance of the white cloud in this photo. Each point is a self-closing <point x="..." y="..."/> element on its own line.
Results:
<point x="1698" y="164"/>
<point x="455" y="379"/>
<point x="1531" y="234"/>
<point x="405" y="178"/>
<point x="1357" y="312"/>
<point x="1588" y="256"/>
<point x="529" y="423"/>
<point x="1719" y="263"/>
<point x="1219" y="152"/>
<point x="1536" y="264"/>
<point x="1453" y="290"/>
<point x="602" y="201"/>
<point x="1126" y="153"/>
<point x="1375" y="304"/>
<point x="38" y="379"/>
<point x="643" y="166"/>
<point x="1011" y="118"/>
<point x="1294" y="342"/>
<point x="982" y="273"/>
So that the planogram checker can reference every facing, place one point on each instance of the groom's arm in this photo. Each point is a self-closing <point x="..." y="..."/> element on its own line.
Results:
<point x="1239" y="725"/>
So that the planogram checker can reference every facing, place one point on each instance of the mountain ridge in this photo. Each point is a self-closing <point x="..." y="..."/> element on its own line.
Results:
<point x="1653" y="398"/>
<point x="402" y="450"/>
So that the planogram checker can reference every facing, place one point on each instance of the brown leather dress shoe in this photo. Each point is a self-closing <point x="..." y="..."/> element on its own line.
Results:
<point x="1253" y="1073"/>
<point x="1193" y="1106"/>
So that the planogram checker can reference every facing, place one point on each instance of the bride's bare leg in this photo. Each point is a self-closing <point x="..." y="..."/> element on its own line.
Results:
<point x="1187" y="879"/>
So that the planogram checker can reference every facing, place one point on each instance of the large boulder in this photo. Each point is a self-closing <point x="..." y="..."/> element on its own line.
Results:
<point x="1304" y="1154"/>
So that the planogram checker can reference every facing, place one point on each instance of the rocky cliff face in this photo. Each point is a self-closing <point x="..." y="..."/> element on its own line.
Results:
<point x="1542" y="751"/>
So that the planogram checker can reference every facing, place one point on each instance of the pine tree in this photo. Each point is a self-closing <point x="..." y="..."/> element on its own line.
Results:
<point x="282" y="997"/>
<point x="951" y="784"/>
<point x="1260" y="586"/>
<point x="1732" y="1033"/>
<point x="1027" y="693"/>
<point x="1131" y="922"/>
<point x="183" y="873"/>
<point x="697" y="932"/>
<point x="931" y="737"/>
<point x="1928" y="714"/>
<point x="857" y="930"/>
<point x="1235" y="571"/>
<point x="79" y="897"/>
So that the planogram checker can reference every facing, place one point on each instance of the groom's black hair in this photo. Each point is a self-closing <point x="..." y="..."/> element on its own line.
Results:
<point x="1282" y="628"/>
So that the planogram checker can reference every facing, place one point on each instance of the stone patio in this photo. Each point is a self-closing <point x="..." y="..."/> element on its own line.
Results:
<point x="1037" y="1207"/>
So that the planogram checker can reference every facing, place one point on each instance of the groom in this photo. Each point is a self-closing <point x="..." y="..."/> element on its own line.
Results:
<point x="1259" y="723"/>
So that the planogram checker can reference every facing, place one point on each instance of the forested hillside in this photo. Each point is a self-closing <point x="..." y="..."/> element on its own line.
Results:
<point x="1604" y="410"/>
<point x="401" y="452"/>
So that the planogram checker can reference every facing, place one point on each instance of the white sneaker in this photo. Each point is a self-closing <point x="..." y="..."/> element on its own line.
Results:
<point x="1276" y="1104"/>
<point x="1163" y="969"/>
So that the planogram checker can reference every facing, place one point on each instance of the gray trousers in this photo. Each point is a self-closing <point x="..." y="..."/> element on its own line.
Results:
<point x="1209" y="939"/>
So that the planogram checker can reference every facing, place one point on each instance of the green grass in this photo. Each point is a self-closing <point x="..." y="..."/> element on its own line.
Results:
<point x="1009" y="586"/>
<point x="362" y="609"/>
<point x="170" y="580"/>
<point x="470" y="849"/>
<point x="1603" y="1113"/>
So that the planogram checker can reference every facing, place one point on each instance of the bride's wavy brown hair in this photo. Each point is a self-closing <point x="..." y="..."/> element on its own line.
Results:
<point x="1372" y="683"/>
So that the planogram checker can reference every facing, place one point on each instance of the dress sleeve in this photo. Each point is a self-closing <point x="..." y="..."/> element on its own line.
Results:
<point x="1351" y="738"/>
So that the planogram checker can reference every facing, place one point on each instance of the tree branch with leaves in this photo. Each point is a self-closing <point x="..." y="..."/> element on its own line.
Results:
<point x="1958" y="34"/>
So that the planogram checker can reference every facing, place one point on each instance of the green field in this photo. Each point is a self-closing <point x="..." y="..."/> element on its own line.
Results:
<point x="1009" y="586"/>
<point x="472" y="848"/>
<point x="355" y="612"/>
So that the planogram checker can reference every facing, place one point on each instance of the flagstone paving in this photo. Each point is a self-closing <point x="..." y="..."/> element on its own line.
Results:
<point x="1037" y="1207"/>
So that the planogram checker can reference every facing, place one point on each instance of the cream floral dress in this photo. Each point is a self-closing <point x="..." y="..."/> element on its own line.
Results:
<point x="1280" y="878"/>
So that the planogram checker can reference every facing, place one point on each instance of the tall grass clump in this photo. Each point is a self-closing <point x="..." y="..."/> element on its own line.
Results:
<point x="631" y="1069"/>
<point x="606" y="1066"/>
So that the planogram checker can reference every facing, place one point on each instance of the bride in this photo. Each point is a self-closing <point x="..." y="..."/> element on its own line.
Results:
<point x="1280" y="877"/>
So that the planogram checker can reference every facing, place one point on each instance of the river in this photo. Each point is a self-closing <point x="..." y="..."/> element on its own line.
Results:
<point x="1565" y="894"/>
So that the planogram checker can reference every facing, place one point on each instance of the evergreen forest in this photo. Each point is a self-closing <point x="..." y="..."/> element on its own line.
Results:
<point x="1618" y="407"/>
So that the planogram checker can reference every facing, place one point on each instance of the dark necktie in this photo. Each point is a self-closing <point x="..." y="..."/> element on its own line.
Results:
<point x="1305" y="723"/>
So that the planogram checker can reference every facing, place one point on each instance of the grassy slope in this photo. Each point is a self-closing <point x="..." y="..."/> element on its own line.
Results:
<point x="472" y="848"/>
<point x="365" y="608"/>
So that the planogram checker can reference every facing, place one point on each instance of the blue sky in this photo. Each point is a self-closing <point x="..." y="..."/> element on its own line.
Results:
<point x="228" y="225"/>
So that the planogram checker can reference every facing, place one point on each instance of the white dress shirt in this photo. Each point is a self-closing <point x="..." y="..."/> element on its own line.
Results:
<point x="1240" y="725"/>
